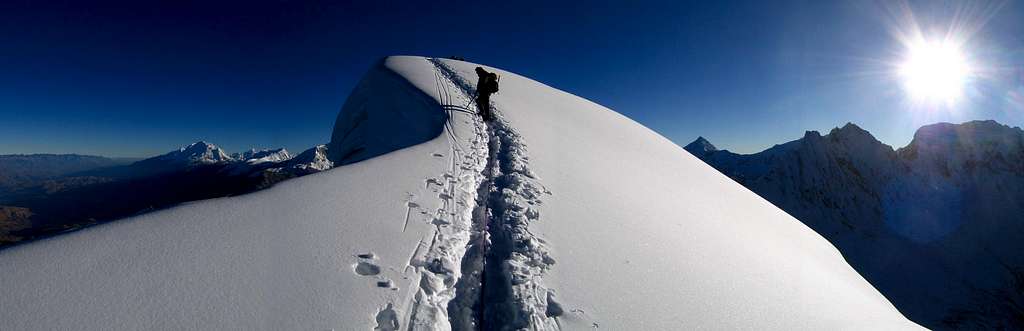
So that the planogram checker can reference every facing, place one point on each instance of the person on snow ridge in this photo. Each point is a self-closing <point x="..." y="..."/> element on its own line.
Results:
<point x="485" y="86"/>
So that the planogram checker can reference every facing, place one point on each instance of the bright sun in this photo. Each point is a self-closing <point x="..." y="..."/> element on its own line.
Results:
<point x="934" y="71"/>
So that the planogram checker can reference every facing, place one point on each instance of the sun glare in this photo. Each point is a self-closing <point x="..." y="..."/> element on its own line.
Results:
<point x="934" y="71"/>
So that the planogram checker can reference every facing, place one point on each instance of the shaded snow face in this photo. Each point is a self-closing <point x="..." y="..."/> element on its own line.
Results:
<point x="946" y="165"/>
<point x="922" y="211"/>
<point x="933" y="225"/>
<point x="384" y="113"/>
<point x="918" y="191"/>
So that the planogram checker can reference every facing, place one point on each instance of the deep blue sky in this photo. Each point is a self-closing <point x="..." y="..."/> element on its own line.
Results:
<point x="139" y="78"/>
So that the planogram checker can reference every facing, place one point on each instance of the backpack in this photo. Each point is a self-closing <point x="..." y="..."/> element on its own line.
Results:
<point x="492" y="82"/>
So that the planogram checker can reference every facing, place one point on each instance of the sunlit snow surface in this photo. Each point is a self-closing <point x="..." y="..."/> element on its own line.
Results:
<point x="643" y="236"/>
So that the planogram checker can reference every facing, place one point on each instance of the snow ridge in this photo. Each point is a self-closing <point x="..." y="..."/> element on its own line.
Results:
<point x="253" y="156"/>
<point x="438" y="263"/>
<point x="505" y="263"/>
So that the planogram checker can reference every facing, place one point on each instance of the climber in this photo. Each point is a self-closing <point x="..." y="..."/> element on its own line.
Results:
<point x="485" y="86"/>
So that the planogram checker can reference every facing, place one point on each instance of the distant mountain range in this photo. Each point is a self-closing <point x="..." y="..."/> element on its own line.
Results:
<point x="18" y="171"/>
<point x="42" y="194"/>
<point x="936" y="226"/>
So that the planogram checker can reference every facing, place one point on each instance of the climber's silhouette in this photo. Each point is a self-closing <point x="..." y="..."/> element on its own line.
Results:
<point x="485" y="86"/>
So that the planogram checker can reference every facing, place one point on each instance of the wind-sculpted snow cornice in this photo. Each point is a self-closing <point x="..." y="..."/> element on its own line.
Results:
<point x="386" y="111"/>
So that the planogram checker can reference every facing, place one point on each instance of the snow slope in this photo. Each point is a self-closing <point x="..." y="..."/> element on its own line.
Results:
<point x="569" y="216"/>
<point x="646" y="236"/>
<point x="286" y="258"/>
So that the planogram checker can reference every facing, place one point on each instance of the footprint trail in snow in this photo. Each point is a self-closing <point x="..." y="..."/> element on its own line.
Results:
<point x="436" y="260"/>
<point x="480" y="268"/>
<point x="501" y="287"/>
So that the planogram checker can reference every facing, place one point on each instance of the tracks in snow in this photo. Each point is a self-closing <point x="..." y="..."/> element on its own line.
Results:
<point x="503" y="264"/>
<point x="436" y="260"/>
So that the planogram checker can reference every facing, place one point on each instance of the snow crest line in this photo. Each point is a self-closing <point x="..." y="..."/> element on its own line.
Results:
<point x="504" y="265"/>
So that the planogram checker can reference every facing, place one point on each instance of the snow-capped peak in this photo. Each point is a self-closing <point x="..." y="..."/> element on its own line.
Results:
<point x="254" y="156"/>
<point x="966" y="147"/>
<point x="969" y="134"/>
<point x="312" y="160"/>
<point x="200" y="152"/>
<point x="812" y="134"/>
<point x="700" y="146"/>
<point x="859" y="142"/>
<point x="849" y="130"/>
